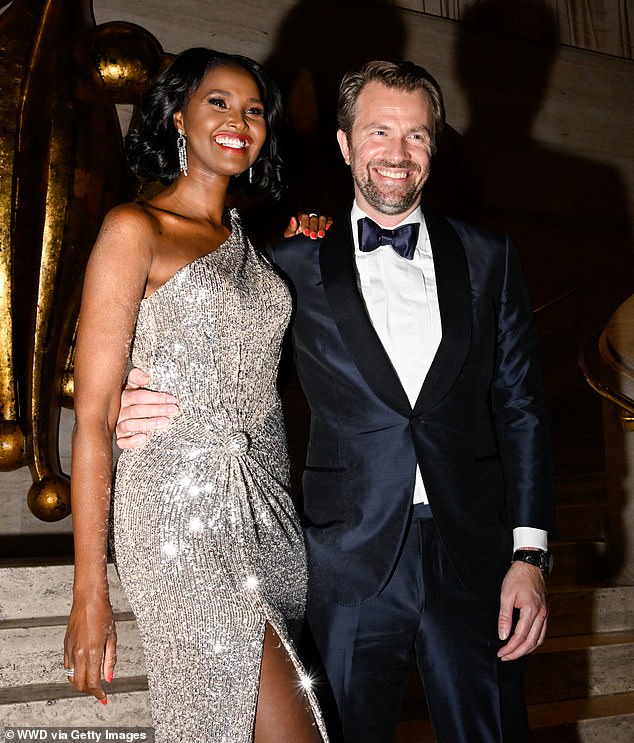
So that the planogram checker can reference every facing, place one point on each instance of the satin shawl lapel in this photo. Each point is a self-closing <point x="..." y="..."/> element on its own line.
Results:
<point x="454" y="297"/>
<point x="348" y="310"/>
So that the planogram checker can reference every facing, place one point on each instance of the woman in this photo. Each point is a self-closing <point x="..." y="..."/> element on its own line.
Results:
<point x="209" y="548"/>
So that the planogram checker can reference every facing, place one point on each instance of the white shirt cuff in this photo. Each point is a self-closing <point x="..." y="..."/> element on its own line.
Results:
<point x="526" y="536"/>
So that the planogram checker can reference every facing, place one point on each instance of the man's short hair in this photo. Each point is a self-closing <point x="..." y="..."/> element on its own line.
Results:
<point x="405" y="76"/>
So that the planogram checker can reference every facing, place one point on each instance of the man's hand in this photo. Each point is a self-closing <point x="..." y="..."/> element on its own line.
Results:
<point x="523" y="588"/>
<point x="312" y="225"/>
<point x="142" y="411"/>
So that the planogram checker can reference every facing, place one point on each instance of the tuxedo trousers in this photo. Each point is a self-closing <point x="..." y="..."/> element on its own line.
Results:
<point x="424" y="612"/>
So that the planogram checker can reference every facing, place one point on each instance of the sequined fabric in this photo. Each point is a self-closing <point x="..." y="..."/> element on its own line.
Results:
<point x="208" y="544"/>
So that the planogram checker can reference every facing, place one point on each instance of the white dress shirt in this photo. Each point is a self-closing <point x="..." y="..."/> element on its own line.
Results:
<point x="401" y="299"/>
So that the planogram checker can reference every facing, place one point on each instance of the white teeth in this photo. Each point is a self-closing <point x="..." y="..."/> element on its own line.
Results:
<point x="390" y="174"/>
<point x="231" y="142"/>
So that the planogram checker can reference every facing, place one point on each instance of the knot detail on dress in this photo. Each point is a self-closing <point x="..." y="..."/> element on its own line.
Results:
<point x="237" y="444"/>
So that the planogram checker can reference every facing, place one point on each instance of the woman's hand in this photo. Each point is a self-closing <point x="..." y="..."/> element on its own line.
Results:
<point x="90" y="646"/>
<point x="312" y="225"/>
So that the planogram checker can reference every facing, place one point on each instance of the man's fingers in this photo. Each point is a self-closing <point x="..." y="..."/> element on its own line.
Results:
<point x="136" y="423"/>
<point x="133" y="441"/>
<point x="505" y="621"/>
<point x="145" y="417"/>
<point x="528" y="635"/>
<point x="132" y="397"/>
<point x="137" y="378"/>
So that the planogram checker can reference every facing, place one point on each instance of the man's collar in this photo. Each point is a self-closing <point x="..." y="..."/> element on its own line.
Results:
<point x="415" y="217"/>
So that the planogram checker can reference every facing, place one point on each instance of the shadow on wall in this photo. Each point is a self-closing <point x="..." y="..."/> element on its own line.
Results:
<point x="568" y="214"/>
<point x="313" y="48"/>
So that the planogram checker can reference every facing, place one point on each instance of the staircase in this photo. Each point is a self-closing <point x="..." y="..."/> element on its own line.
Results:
<point x="34" y="605"/>
<point x="579" y="685"/>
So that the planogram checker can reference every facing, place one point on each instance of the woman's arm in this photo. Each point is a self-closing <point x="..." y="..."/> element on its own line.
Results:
<point x="116" y="276"/>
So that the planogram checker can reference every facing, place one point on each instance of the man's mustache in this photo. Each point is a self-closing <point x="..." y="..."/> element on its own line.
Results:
<point x="403" y="164"/>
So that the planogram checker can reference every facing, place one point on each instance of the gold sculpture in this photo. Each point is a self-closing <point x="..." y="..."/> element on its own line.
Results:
<point x="61" y="168"/>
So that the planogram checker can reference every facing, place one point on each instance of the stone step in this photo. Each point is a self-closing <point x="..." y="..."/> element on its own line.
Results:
<point x="596" y="720"/>
<point x="581" y="666"/>
<point x="33" y="692"/>
<point x="46" y="591"/>
<point x="33" y="655"/>
<point x="583" y="488"/>
<point x="581" y="502"/>
<point x="586" y="458"/>
<point x="36" y="600"/>
<point x="577" y="562"/>
<point x="583" y="610"/>
<point x="57" y="705"/>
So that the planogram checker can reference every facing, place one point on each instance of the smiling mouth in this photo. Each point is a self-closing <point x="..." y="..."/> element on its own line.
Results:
<point x="235" y="143"/>
<point x="394" y="174"/>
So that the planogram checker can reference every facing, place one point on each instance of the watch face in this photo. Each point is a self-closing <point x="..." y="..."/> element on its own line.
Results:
<point x="548" y="563"/>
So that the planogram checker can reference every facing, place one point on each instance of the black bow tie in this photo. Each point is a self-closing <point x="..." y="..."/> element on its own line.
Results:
<point x="403" y="239"/>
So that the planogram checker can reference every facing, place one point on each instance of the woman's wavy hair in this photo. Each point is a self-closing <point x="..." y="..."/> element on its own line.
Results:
<point x="151" y="145"/>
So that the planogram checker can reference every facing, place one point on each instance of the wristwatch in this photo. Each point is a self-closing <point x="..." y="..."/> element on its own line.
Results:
<point x="541" y="559"/>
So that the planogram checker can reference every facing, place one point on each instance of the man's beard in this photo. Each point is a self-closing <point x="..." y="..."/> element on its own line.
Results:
<point x="390" y="200"/>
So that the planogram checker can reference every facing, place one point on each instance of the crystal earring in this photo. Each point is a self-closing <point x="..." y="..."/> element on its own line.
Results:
<point x="250" y="174"/>
<point x="181" y="146"/>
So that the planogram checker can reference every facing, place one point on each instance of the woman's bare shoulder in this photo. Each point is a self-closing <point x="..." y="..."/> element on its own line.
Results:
<point x="133" y="218"/>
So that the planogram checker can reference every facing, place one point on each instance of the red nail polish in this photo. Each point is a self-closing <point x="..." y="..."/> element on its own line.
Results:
<point x="307" y="232"/>
<point x="321" y="233"/>
<point x="110" y="677"/>
<point x="313" y="235"/>
<point x="104" y="700"/>
<point x="328" y="226"/>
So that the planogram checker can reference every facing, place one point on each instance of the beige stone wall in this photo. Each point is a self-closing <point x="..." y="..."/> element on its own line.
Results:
<point x="588" y="106"/>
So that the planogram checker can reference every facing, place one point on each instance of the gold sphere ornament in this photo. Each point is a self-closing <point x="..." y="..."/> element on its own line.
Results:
<point x="12" y="446"/>
<point x="128" y="57"/>
<point x="49" y="499"/>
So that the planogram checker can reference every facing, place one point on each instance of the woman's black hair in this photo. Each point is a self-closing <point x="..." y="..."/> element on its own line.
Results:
<point x="151" y="145"/>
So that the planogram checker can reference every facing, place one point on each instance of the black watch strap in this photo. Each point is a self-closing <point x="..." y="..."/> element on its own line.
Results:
<point x="539" y="558"/>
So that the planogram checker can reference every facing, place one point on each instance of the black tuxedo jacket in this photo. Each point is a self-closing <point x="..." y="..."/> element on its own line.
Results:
<point x="479" y="429"/>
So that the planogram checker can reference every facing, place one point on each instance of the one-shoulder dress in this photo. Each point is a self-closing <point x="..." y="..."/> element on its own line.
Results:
<point x="207" y="541"/>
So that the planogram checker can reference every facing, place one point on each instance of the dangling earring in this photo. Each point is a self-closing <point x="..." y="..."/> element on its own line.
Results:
<point x="181" y="146"/>
<point x="250" y="174"/>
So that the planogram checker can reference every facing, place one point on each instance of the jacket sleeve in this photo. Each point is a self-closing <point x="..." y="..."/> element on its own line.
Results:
<point x="519" y="405"/>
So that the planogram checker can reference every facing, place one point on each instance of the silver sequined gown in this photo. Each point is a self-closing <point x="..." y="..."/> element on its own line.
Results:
<point x="208" y="544"/>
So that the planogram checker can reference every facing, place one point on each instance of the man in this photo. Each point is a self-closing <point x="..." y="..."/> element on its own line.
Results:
<point x="428" y="485"/>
